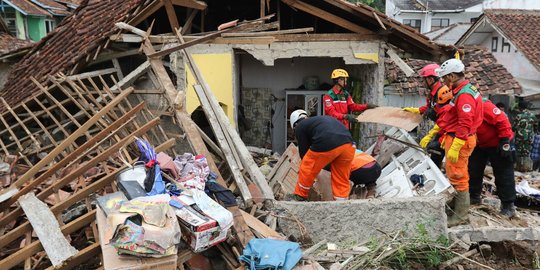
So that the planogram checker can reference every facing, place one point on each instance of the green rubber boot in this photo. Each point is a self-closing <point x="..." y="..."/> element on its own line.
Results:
<point x="461" y="209"/>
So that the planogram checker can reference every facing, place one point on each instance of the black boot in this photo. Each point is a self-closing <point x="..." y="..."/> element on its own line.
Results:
<point x="476" y="199"/>
<point x="508" y="210"/>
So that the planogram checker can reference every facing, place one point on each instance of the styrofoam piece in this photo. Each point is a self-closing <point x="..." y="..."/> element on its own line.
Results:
<point x="394" y="181"/>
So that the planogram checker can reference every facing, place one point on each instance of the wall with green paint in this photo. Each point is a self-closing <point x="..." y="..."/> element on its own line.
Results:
<point x="36" y="27"/>
<point x="19" y="22"/>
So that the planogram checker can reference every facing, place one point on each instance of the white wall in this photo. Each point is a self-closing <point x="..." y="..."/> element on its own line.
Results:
<point x="513" y="60"/>
<point x="285" y="73"/>
<point x="512" y="4"/>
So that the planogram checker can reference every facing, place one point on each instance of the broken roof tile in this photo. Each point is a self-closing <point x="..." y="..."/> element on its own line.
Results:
<point x="28" y="8"/>
<point x="481" y="68"/>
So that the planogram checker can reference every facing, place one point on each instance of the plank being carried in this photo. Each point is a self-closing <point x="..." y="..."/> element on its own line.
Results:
<point x="391" y="116"/>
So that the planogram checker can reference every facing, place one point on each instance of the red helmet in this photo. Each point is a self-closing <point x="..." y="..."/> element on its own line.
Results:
<point x="429" y="70"/>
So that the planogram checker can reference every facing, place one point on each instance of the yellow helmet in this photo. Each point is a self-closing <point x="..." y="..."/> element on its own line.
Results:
<point x="338" y="73"/>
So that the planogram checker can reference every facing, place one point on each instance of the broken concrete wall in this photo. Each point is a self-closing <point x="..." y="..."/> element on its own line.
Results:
<point x="361" y="220"/>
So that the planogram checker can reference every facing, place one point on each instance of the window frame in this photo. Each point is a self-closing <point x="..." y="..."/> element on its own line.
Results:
<point x="439" y="25"/>
<point x="410" y="21"/>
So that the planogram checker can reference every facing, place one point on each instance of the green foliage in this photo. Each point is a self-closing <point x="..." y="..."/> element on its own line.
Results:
<point x="376" y="4"/>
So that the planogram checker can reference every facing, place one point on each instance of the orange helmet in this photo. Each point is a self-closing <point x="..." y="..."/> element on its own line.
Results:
<point x="444" y="95"/>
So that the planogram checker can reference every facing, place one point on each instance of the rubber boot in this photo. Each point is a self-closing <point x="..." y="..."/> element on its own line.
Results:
<point x="507" y="209"/>
<point x="294" y="197"/>
<point x="371" y="190"/>
<point x="461" y="209"/>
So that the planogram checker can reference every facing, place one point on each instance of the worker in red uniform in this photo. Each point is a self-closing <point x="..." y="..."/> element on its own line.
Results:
<point x="338" y="102"/>
<point x="439" y="96"/>
<point x="459" y="122"/>
<point x="322" y="140"/>
<point x="365" y="170"/>
<point x="493" y="145"/>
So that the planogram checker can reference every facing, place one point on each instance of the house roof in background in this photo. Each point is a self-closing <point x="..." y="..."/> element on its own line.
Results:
<point x="27" y="8"/>
<point x="67" y="47"/>
<point x="10" y="44"/>
<point x="435" y="4"/>
<point x="52" y="6"/>
<point x="522" y="28"/>
<point x="481" y="68"/>
<point x="450" y="34"/>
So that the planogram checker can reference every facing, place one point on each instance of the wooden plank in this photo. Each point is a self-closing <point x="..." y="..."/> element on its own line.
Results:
<point x="259" y="226"/>
<point x="269" y="33"/>
<point x="211" y="143"/>
<point x="84" y="255"/>
<point x="19" y="256"/>
<point x="200" y="5"/>
<point x="47" y="229"/>
<point x="327" y="16"/>
<point x="171" y="14"/>
<point x="91" y="74"/>
<point x="147" y="11"/>
<point x="399" y="62"/>
<point x="391" y="116"/>
<point x="187" y="44"/>
<point x="6" y="105"/>
<point x="227" y="149"/>
<point x="60" y="148"/>
<point x="131" y="76"/>
<point x="245" y="156"/>
<point x="187" y="25"/>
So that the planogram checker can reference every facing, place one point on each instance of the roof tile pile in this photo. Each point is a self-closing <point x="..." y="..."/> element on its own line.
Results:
<point x="76" y="37"/>
<point x="9" y="43"/>
<point x="522" y="28"/>
<point x="481" y="68"/>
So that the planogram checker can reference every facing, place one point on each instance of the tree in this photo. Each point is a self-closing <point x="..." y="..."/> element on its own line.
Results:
<point x="376" y="4"/>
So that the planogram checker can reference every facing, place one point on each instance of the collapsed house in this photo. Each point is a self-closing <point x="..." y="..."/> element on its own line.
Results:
<point x="119" y="70"/>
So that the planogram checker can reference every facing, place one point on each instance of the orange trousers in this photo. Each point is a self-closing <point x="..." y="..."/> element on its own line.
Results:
<point x="339" y="158"/>
<point x="458" y="172"/>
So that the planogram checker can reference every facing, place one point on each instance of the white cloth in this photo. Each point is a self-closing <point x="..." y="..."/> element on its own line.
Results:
<point x="213" y="209"/>
<point x="523" y="188"/>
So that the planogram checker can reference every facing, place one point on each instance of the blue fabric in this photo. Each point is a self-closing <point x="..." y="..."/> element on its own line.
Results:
<point x="271" y="254"/>
<point x="535" y="151"/>
<point x="159" y="185"/>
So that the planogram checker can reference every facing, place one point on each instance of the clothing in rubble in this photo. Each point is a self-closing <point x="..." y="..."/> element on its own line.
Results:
<point x="494" y="136"/>
<point x="324" y="140"/>
<point x="272" y="254"/>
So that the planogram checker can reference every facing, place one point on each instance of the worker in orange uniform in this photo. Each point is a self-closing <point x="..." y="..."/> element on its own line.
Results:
<point x="493" y="145"/>
<point x="338" y="102"/>
<point x="438" y="96"/>
<point x="365" y="170"/>
<point x="459" y="122"/>
<point x="322" y="140"/>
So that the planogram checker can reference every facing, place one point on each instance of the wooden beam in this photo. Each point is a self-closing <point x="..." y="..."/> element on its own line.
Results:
<point x="270" y="33"/>
<point x="133" y="75"/>
<point x="399" y="62"/>
<point x="60" y="148"/>
<point x="200" y="5"/>
<point x="189" y="22"/>
<point x="327" y="16"/>
<point x="187" y="44"/>
<point x="146" y="12"/>
<point x="171" y="14"/>
<point x="90" y="74"/>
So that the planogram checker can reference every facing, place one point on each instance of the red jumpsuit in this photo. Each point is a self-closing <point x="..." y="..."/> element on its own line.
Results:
<point x="338" y="102"/>
<point x="461" y="119"/>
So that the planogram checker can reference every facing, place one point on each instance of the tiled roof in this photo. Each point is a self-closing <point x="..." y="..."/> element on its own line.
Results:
<point x="522" y="28"/>
<point x="9" y="43"/>
<point x="53" y="7"/>
<point x="435" y="4"/>
<point x="481" y="68"/>
<point x="66" y="48"/>
<point x="29" y="8"/>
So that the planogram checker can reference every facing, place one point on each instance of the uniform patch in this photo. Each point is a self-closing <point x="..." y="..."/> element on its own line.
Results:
<point x="496" y="111"/>
<point x="466" y="108"/>
<point x="328" y="103"/>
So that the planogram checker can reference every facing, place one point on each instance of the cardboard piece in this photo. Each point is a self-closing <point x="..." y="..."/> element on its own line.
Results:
<point x="113" y="261"/>
<point x="391" y="116"/>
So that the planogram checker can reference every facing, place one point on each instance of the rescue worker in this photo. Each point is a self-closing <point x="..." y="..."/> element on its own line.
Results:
<point x="493" y="145"/>
<point x="338" y="102"/>
<point x="459" y="122"/>
<point x="322" y="140"/>
<point x="524" y="122"/>
<point x="365" y="170"/>
<point x="439" y="96"/>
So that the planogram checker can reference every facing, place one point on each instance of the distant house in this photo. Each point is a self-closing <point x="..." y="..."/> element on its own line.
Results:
<point x="33" y="19"/>
<point x="450" y="34"/>
<point x="430" y="15"/>
<point x="512" y="37"/>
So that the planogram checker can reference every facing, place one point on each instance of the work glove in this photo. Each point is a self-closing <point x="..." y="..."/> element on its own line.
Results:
<point x="424" y="142"/>
<point x="350" y="117"/>
<point x="453" y="152"/>
<point x="371" y="106"/>
<point x="411" y="109"/>
<point x="504" y="148"/>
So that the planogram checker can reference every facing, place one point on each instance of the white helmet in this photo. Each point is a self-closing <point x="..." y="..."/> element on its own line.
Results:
<point x="297" y="115"/>
<point x="450" y="66"/>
